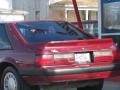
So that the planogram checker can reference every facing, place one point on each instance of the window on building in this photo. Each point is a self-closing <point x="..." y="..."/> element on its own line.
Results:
<point x="37" y="15"/>
<point x="71" y="17"/>
<point x="4" y="41"/>
<point x="92" y="15"/>
<point x="82" y="14"/>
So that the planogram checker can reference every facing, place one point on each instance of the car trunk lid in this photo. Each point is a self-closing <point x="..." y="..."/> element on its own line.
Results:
<point x="75" y="52"/>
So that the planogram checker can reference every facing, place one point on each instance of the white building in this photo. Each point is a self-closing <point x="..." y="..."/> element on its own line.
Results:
<point x="11" y="10"/>
<point x="63" y="9"/>
<point x="7" y="13"/>
<point x="37" y="9"/>
<point x="16" y="10"/>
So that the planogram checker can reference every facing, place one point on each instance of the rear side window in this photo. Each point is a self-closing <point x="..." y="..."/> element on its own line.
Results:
<point x="4" y="41"/>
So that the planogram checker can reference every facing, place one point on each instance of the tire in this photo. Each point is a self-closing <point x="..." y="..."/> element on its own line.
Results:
<point x="11" y="80"/>
<point x="98" y="86"/>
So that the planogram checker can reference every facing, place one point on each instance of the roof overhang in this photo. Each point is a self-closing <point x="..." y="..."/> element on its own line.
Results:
<point x="6" y="11"/>
<point x="79" y="2"/>
<point x="54" y="1"/>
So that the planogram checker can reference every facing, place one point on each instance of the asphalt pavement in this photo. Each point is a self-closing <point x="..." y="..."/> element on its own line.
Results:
<point x="112" y="84"/>
<point x="109" y="84"/>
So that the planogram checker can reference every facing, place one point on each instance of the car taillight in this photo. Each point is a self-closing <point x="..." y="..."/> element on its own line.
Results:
<point x="102" y="53"/>
<point x="57" y="59"/>
<point x="64" y="59"/>
<point x="63" y="56"/>
<point x="44" y="60"/>
<point x="103" y="56"/>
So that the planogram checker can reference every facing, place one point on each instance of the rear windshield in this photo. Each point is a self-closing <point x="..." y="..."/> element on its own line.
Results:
<point x="36" y="32"/>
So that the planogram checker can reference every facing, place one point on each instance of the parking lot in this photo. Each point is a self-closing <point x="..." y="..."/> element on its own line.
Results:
<point x="109" y="84"/>
<point x="112" y="84"/>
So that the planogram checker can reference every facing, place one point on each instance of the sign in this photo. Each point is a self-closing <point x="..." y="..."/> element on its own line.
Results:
<point x="109" y="19"/>
<point x="109" y="1"/>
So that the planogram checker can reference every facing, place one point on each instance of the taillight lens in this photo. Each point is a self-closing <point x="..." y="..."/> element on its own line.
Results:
<point x="57" y="59"/>
<point x="103" y="56"/>
<point x="44" y="60"/>
<point x="102" y="53"/>
<point x="64" y="59"/>
<point x="63" y="56"/>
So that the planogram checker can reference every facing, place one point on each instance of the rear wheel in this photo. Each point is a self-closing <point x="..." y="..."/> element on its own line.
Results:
<point x="11" y="81"/>
<point x="98" y="86"/>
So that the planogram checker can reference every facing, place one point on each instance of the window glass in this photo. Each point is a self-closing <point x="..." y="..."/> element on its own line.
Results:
<point x="50" y="31"/>
<point x="93" y="15"/>
<point x="4" y="42"/>
<point x="82" y="14"/>
<point x="71" y="16"/>
<point x="92" y="28"/>
<point x="111" y="19"/>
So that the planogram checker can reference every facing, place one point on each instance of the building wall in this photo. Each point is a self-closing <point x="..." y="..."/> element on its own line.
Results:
<point x="79" y="2"/>
<point x="64" y="10"/>
<point x="41" y="10"/>
<point x="57" y="12"/>
<point x="68" y="13"/>
<point x="6" y="4"/>
<point x="37" y="9"/>
<point x="7" y="13"/>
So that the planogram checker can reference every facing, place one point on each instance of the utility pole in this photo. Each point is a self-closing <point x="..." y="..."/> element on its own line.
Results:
<point x="77" y="14"/>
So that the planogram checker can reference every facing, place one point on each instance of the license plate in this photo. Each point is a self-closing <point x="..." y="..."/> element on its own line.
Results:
<point x="82" y="58"/>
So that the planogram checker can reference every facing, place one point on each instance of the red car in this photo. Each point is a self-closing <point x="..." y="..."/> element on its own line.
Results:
<point x="53" y="53"/>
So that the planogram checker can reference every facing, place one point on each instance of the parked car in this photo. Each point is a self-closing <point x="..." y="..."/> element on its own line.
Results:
<point x="48" y="53"/>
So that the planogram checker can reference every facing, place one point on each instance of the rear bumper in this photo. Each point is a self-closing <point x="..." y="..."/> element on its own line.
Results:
<point x="66" y="79"/>
<point x="48" y="76"/>
<point x="68" y="71"/>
